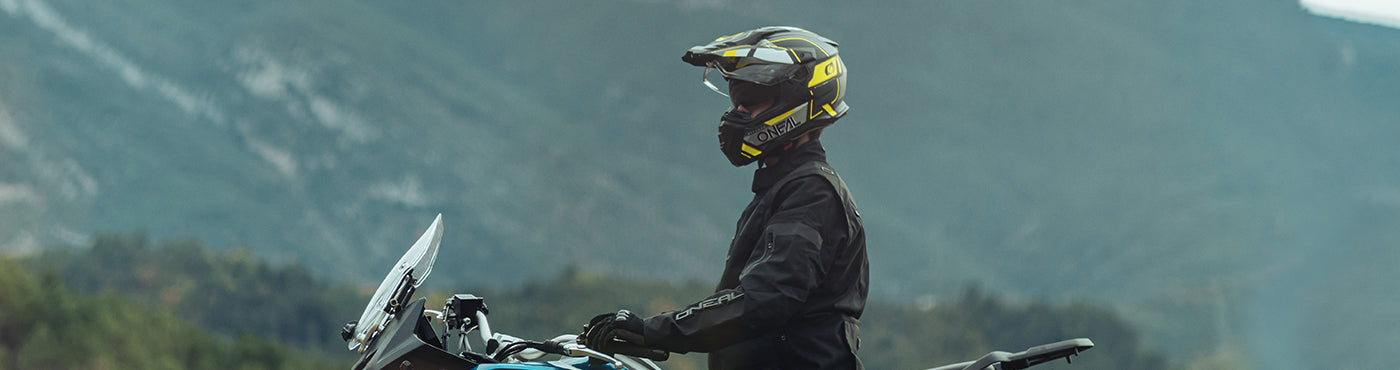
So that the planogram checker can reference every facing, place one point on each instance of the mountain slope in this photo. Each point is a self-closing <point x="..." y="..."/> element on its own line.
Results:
<point x="1184" y="159"/>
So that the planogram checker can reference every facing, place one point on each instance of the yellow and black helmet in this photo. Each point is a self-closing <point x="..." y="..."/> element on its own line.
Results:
<point x="797" y="69"/>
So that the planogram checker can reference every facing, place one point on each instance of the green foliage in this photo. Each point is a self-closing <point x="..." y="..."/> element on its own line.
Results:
<point x="44" y="325"/>
<point x="231" y="293"/>
<point x="243" y="297"/>
<point x="977" y="322"/>
<point x="1227" y="358"/>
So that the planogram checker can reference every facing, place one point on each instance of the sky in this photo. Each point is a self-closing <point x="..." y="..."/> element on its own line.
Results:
<point x="1378" y="12"/>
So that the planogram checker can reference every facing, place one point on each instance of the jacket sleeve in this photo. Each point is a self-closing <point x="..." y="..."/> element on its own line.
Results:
<point x="780" y="274"/>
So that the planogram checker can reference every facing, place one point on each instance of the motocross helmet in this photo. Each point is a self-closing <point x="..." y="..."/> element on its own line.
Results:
<point x="796" y="69"/>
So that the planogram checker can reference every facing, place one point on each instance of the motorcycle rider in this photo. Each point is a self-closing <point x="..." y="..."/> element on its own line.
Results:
<point x="796" y="277"/>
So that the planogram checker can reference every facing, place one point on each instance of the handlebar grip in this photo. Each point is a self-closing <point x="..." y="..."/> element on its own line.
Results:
<point x="554" y="347"/>
<point x="639" y="351"/>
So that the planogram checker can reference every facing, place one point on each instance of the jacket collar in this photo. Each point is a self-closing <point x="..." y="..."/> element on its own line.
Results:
<point x="765" y="177"/>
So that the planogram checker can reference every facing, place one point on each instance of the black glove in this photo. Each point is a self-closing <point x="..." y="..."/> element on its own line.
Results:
<point x="609" y="328"/>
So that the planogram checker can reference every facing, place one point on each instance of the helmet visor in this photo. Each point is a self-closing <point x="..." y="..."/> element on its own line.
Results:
<point x="752" y="95"/>
<point x="762" y="74"/>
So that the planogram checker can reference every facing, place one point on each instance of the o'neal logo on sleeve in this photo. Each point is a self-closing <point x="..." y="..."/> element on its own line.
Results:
<point x="709" y="303"/>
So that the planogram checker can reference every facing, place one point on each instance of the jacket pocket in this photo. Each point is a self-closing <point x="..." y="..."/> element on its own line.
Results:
<point x="766" y="244"/>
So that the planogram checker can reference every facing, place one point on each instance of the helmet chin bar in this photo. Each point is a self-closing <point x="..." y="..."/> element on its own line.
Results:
<point x="731" y="143"/>
<point x="744" y="139"/>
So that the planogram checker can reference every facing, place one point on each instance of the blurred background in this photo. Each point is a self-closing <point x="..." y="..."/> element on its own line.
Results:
<point x="1192" y="184"/>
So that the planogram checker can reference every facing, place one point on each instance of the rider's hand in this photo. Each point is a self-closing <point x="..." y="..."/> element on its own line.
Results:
<point x="608" y="328"/>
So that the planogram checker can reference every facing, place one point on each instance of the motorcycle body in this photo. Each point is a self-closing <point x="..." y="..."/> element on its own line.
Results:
<point x="396" y="333"/>
<point x="410" y="342"/>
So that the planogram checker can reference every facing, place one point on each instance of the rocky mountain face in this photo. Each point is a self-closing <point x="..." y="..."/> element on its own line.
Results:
<point x="1230" y="165"/>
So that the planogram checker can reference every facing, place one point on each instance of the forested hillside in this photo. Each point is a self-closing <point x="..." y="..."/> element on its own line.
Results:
<point x="45" y="325"/>
<point x="167" y="290"/>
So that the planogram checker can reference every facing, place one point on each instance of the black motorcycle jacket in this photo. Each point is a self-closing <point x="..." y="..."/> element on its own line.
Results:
<point x="794" y="283"/>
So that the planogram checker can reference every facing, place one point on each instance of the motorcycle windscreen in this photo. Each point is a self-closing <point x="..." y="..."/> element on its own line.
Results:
<point x="415" y="264"/>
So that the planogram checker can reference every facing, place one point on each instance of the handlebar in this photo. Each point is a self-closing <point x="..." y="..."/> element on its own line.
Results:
<point x="567" y="345"/>
<point x="639" y="351"/>
<point x="556" y="346"/>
